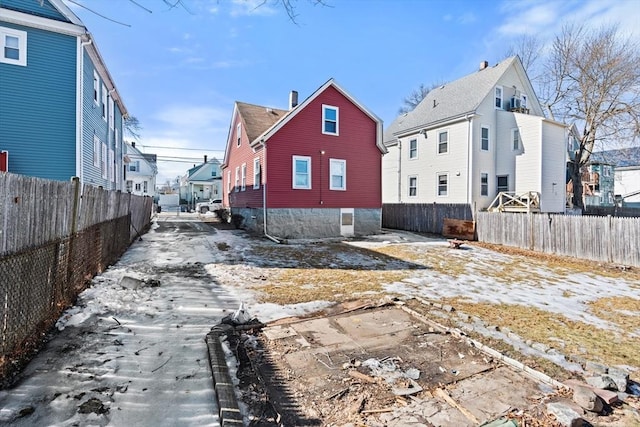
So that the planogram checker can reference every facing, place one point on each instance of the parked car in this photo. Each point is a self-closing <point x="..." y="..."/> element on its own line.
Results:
<point x="209" y="206"/>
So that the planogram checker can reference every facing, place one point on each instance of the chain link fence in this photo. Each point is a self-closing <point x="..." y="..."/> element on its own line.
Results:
<point x="38" y="283"/>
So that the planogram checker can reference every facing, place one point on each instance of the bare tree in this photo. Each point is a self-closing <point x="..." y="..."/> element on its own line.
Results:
<point x="529" y="49"/>
<point x="592" y="78"/>
<point x="416" y="96"/>
<point x="132" y="127"/>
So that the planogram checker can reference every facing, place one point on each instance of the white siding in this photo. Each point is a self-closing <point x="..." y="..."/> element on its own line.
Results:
<point x="554" y="163"/>
<point x="529" y="156"/>
<point x="390" y="175"/>
<point x="628" y="181"/>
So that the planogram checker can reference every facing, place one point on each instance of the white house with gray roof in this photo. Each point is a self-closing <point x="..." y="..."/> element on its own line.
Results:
<point x="472" y="138"/>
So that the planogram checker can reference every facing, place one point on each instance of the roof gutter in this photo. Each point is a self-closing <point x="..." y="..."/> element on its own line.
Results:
<point x="433" y="125"/>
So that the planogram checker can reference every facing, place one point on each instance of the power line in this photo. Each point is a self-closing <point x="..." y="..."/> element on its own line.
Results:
<point x="179" y="148"/>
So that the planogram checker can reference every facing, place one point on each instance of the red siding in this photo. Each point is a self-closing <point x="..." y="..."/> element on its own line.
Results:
<point x="303" y="136"/>
<point x="238" y="155"/>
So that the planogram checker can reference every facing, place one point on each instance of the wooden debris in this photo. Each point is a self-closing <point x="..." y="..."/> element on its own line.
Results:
<point x="364" y="377"/>
<point x="442" y="393"/>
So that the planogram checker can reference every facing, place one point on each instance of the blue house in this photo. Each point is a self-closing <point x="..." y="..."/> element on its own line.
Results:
<point x="60" y="112"/>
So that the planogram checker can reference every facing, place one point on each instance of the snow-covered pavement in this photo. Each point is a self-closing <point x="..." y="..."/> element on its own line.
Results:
<point x="133" y="354"/>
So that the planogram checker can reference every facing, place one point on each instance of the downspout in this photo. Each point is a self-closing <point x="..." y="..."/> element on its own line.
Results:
<point x="399" y="171"/>
<point x="264" y="195"/>
<point x="80" y="114"/>
<point x="469" y="159"/>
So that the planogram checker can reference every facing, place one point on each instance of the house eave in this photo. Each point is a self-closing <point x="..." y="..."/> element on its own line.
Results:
<point x="433" y="125"/>
<point x="20" y="18"/>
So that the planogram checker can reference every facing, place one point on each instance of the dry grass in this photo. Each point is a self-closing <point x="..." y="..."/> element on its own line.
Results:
<point x="337" y="272"/>
<point x="578" y="338"/>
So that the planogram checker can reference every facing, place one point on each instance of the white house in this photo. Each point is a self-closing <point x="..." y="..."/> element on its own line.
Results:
<point x="202" y="182"/>
<point x="472" y="138"/>
<point x="140" y="171"/>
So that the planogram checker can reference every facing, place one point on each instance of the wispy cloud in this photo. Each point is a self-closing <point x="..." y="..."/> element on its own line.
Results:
<point x="180" y="116"/>
<point x="464" y="19"/>
<point x="251" y="7"/>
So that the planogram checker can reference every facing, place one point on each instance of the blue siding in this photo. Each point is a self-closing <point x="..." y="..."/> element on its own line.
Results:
<point x="33" y="7"/>
<point x="94" y="124"/>
<point x="38" y="106"/>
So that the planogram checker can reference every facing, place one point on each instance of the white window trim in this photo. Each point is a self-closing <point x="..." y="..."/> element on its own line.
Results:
<point x="112" y="165"/>
<point x="501" y="97"/>
<point x="22" y="46"/>
<point x="104" y="162"/>
<point x="513" y="132"/>
<point x="523" y="100"/>
<point x="438" y="175"/>
<point x="409" y="151"/>
<point x="409" y="178"/>
<point x="104" y="102"/>
<point x="228" y="181"/>
<point x="256" y="173"/>
<point x="488" y="137"/>
<point x="96" y="87"/>
<point x="111" y="113"/>
<point x="96" y="151"/>
<point x="324" y="107"/>
<point x="243" y="177"/>
<point x="344" y="174"/>
<point x="293" y="178"/>
<point x="438" y="143"/>
<point x="483" y="174"/>
<point x="238" y="134"/>
<point x="236" y="186"/>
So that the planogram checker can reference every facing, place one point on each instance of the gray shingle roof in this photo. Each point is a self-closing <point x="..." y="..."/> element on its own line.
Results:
<point x="624" y="157"/>
<point x="258" y="119"/>
<point x="455" y="99"/>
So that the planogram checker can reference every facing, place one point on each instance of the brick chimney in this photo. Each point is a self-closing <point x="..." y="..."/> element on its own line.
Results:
<point x="205" y="158"/>
<point x="483" y="65"/>
<point x="293" y="99"/>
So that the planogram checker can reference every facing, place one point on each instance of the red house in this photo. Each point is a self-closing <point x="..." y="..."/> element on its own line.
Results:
<point x="308" y="172"/>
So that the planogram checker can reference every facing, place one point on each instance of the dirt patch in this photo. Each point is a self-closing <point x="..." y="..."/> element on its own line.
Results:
<point x="382" y="366"/>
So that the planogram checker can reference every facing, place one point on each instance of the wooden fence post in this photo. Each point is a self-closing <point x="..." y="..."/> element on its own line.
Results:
<point x="76" y="198"/>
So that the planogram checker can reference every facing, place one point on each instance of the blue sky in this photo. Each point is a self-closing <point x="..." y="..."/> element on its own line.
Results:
<point x="180" y="70"/>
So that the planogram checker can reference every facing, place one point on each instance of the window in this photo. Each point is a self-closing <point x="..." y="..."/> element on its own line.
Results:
<point x="14" y="46"/>
<point x="138" y="187"/>
<point x="104" y="102"/>
<point x="134" y="166"/>
<point x="606" y="170"/>
<point x="413" y="186"/>
<point x="413" y="149"/>
<point x="302" y="172"/>
<point x="145" y="186"/>
<point x="338" y="172"/>
<point x="484" y="184"/>
<point x="484" y="138"/>
<point x="329" y="120"/>
<point x="96" y="151"/>
<point x="443" y="184"/>
<point x="129" y="186"/>
<point x="515" y="138"/>
<point x="523" y="100"/>
<point x="228" y="182"/>
<point x="238" y="134"/>
<point x="257" y="177"/>
<point x="503" y="183"/>
<point x="104" y="160"/>
<point x="96" y="88"/>
<point x="111" y="113"/>
<point x="244" y="177"/>
<point x="498" y="102"/>
<point x="112" y="165"/>
<point x="443" y="142"/>
<point x="237" y="184"/>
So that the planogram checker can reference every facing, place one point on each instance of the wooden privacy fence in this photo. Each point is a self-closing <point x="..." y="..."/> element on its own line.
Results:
<point x="596" y="238"/>
<point x="422" y="217"/>
<point x="54" y="237"/>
